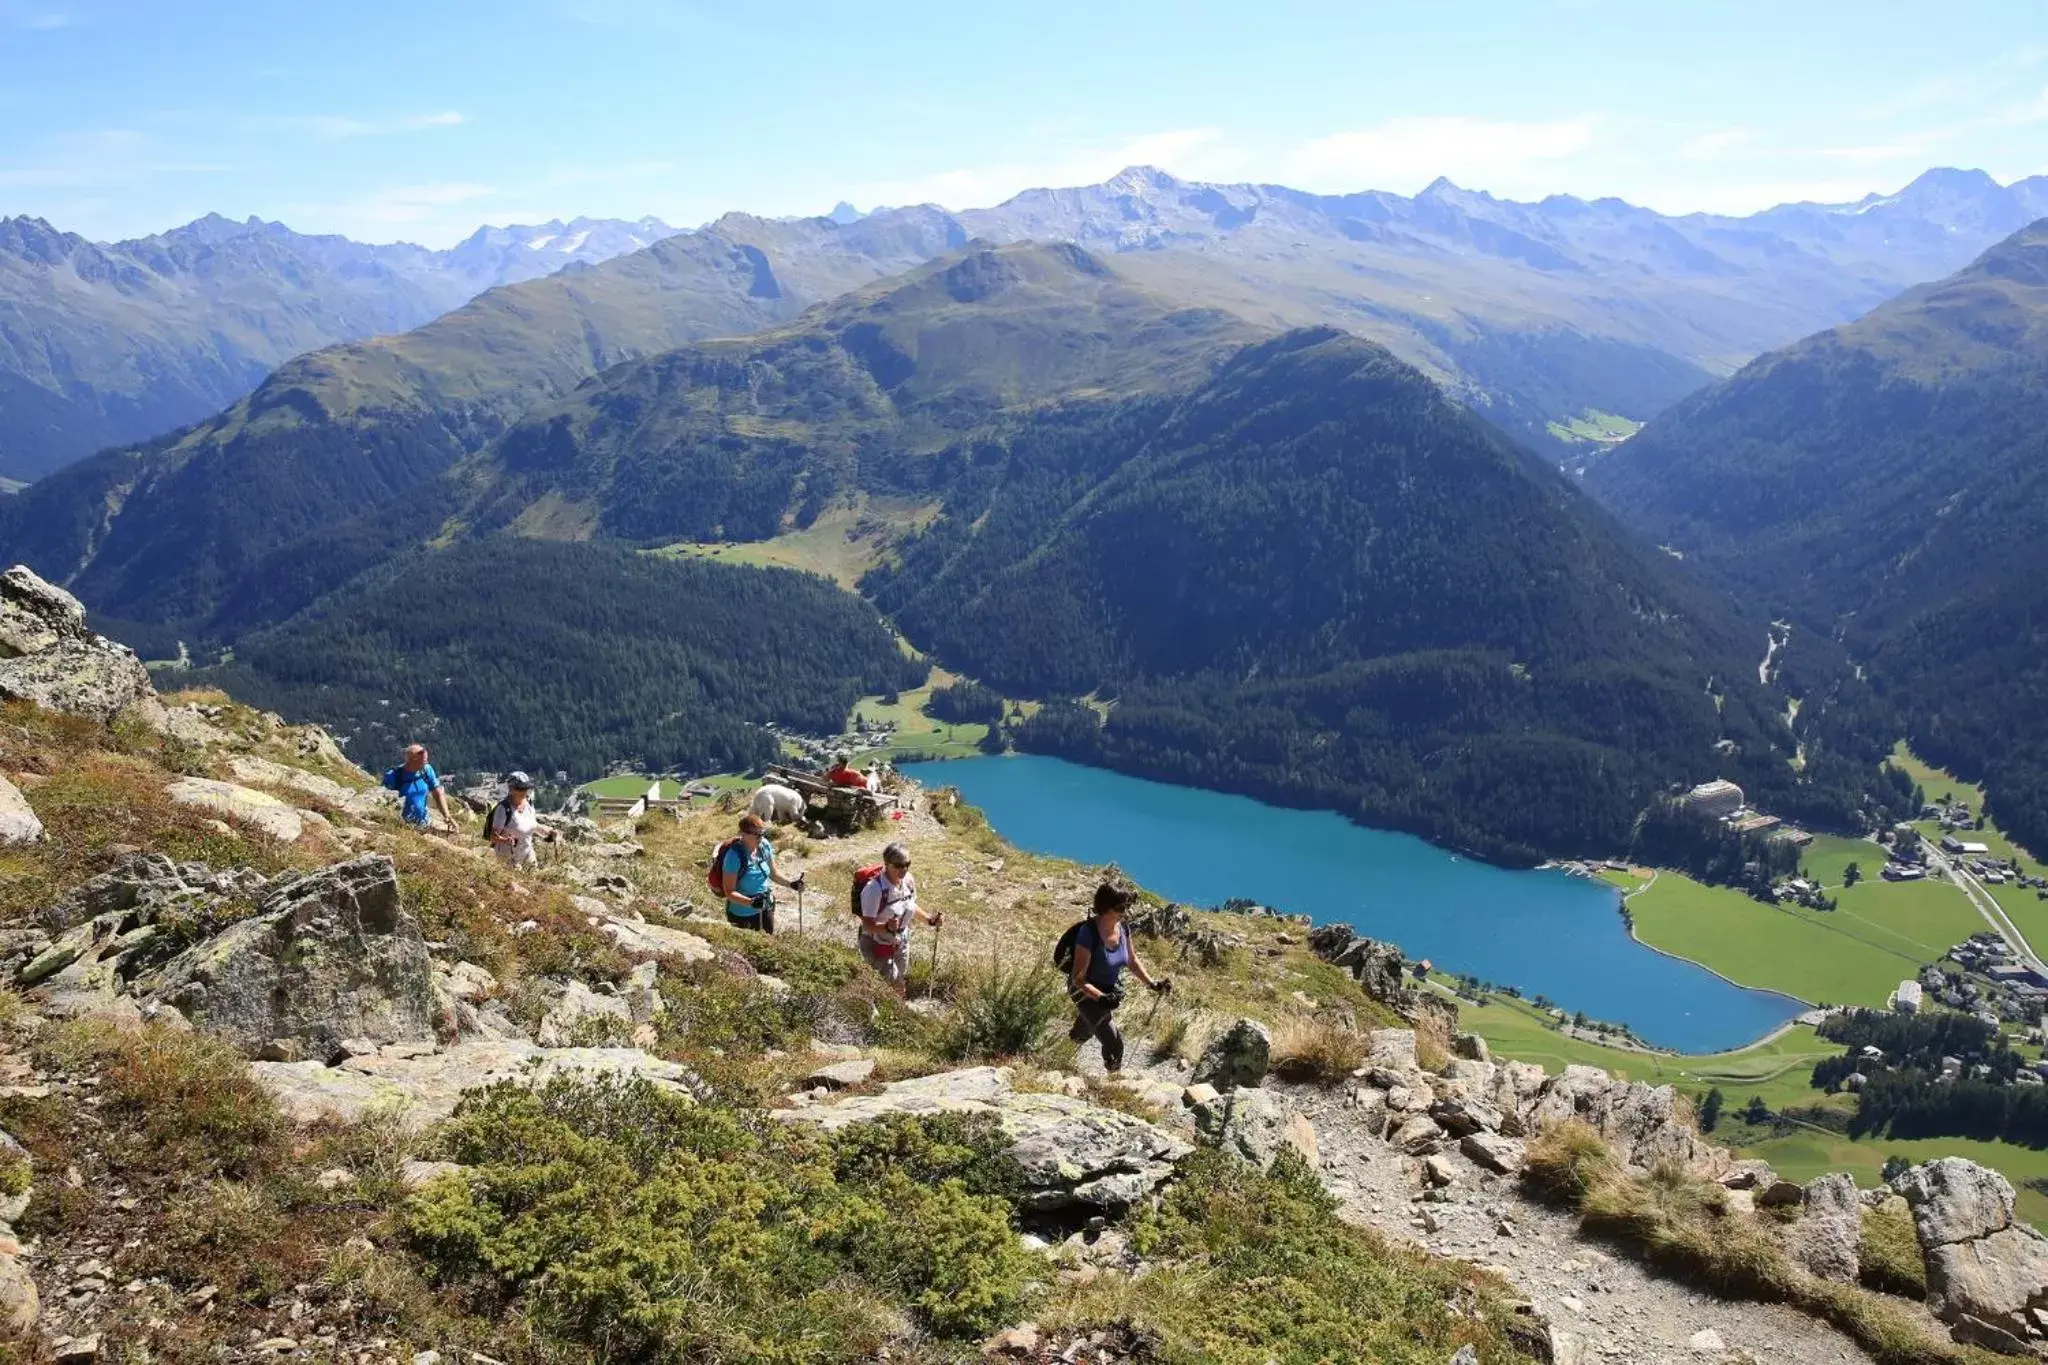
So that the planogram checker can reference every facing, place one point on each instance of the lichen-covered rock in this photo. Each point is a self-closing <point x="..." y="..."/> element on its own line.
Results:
<point x="1501" y="1155"/>
<point x="18" y="822"/>
<point x="635" y="935"/>
<point x="49" y="657"/>
<point x="244" y="805"/>
<point x="1954" y="1200"/>
<point x="1987" y="1275"/>
<point x="330" y="956"/>
<point x="1256" y="1127"/>
<point x="582" y="1015"/>
<point x="248" y="768"/>
<point x="422" y="1087"/>
<point x="1645" y="1124"/>
<point x="1237" y="1056"/>
<point x="1073" y="1153"/>
<point x="1828" y="1237"/>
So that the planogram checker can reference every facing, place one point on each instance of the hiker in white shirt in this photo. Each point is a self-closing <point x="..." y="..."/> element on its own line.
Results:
<point x="513" y="823"/>
<point x="888" y="904"/>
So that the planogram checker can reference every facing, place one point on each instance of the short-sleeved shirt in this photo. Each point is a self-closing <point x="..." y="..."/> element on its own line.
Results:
<point x="753" y="871"/>
<point x="847" y="777"/>
<point x="518" y="821"/>
<point x="412" y="786"/>
<point x="886" y="908"/>
<point x="1105" y="965"/>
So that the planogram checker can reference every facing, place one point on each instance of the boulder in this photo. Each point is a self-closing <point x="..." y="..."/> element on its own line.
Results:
<point x="1074" y="1154"/>
<point x="1749" y="1175"/>
<point x="1256" y="1126"/>
<point x="1954" y="1200"/>
<point x="1501" y="1155"/>
<point x="842" y="1075"/>
<point x="18" y="823"/>
<point x="1459" y="1116"/>
<point x="49" y="657"/>
<point x="1419" y="1136"/>
<point x="331" y="955"/>
<point x="1987" y="1275"/>
<point x="1394" y="1048"/>
<point x="1780" y="1194"/>
<point x="656" y="940"/>
<point x="582" y="1015"/>
<point x="20" y="1305"/>
<point x="1646" y="1125"/>
<point x="1238" y="1056"/>
<point x="468" y="981"/>
<point x="259" y="811"/>
<point x="1828" y="1237"/>
<point x="248" y="768"/>
<point x="1471" y="1047"/>
<point x="423" y="1088"/>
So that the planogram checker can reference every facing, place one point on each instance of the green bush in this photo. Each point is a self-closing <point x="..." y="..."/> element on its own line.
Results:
<point x="1005" y="1013"/>
<point x="1260" y="1268"/>
<point x="969" y="1148"/>
<point x="627" y="1221"/>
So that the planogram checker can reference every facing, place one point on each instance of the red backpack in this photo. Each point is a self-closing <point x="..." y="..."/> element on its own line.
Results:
<point x="714" y="876"/>
<point x="861" y="877"/>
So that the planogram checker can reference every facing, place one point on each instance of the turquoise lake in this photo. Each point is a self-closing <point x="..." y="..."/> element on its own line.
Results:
<point x="1543" y="931"/>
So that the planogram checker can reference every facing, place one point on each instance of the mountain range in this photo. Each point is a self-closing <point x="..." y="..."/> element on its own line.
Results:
<point x="104" y="344"/>
<point x="1531" y="313"/>
<point x="1886" y="482"/>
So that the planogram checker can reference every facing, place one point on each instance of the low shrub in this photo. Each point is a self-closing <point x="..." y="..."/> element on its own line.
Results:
<point x="1319" y="1052"/>
<point x="626" y="1221"/>
<point x="1259" y="1267"/>
<point x="1005" y="1013"/>
<point x="190" y="1096"/>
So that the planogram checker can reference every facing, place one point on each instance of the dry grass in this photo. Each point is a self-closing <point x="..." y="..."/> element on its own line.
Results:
<point x="1687" y="1227"/>
<point x="1318" y="1051"/>
<point x="1890" y="1251"/>
<point x="1432" y="1042"/>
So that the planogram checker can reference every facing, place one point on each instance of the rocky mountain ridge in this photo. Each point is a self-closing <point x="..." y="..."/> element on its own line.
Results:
<point x="107" y="343"/>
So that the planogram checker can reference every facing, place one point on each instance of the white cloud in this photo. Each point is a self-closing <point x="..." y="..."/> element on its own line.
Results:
<point x="431" y="214"/>
<point x="1405" y="154"/>
<point x="1195" y="153"/>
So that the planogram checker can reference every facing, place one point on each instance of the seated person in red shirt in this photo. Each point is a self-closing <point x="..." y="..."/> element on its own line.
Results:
<point x="842" y="773"/>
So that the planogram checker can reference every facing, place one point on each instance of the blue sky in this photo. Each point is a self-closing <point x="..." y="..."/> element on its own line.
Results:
<point x="418" y="121"/>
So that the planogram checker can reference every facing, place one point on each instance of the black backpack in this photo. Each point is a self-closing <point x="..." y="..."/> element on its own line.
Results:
<point x="504" y="807"/>
<point x="1063" y="951"/>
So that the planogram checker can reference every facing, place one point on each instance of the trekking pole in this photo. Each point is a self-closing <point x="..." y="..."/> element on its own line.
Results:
<point x="800" y="905"/>
<point x="931" y="985"/>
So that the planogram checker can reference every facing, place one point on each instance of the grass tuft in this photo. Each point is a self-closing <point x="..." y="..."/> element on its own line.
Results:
<point x="1318" y="1051"/>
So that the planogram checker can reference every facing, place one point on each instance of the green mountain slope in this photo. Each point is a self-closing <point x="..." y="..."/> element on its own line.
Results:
<point x="1317" y="580"/>
<point x="161" y="532"/>
<point x="1889" y="478"/>
<point x="734" y="438"/>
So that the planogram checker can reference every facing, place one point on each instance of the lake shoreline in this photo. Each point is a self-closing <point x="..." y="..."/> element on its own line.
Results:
<point x="1544" y="931"/>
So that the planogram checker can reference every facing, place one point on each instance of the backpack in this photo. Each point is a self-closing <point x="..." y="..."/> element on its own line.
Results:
<point x="1063" y="951"/>
<point x="714" y="876"/>
<point x="861" y="877"/>
<point x="491" y="825"/>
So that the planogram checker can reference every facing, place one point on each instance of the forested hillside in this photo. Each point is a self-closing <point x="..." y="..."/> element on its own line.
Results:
<point x="506" y="652"/>
<point x="1319" y="581"/>
<point x="1888" y="481"/>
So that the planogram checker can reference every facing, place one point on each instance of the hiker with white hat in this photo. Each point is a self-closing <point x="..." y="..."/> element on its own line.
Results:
<point x="513" y="823"/>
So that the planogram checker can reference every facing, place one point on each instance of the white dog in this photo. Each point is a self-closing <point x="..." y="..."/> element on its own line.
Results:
<point x="777" y="804"/>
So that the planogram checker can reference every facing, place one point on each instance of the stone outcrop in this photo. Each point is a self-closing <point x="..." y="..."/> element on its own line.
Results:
<point x="1256" y="1127"/>
<point x="18" y="822"/>
<point x="329" y="957"/>
<point x="581" y="1014"/>
<point x="245" y="806"/>
<point x="1074" y="1154"/>
<point x="1828" y="1237"/>
<point x="1987" y="1274"/>
<point x="422" y="1085"/>
<point x="49" y="657"/>
<point x="1381" y="971"/>
<point x="1644" y="1124"/>
<point x="1237" y="1056"/>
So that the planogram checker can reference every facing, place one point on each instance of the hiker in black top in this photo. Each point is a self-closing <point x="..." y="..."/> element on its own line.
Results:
<point x="1102" y="949"/>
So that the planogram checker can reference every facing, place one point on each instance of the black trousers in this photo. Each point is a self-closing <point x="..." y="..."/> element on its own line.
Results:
<point x="1097" y="1019"/>
<point x="762" y="919"/>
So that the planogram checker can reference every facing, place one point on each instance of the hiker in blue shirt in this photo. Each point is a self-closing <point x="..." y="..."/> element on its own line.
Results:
<point x="1102" y="952"/>
<point x="415" y="781"/>
<point x="747" y="868"/>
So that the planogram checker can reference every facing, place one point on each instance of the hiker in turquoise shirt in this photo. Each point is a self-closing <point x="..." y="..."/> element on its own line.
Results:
<point x="415" y="781"/>
<point x="748" y="876"/>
